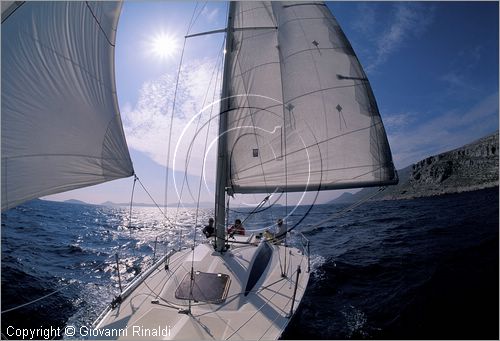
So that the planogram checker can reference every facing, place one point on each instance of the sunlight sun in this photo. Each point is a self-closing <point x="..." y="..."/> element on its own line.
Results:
<point x="163" y="46"/>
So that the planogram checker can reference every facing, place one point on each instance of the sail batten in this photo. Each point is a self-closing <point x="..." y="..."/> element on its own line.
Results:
<point x="303" y="115"/>
<point x="61" y="127"/>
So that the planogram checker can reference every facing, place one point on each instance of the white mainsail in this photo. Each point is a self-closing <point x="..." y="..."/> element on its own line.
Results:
<point x="61" y="127"/>
<point x="302" y="113"/>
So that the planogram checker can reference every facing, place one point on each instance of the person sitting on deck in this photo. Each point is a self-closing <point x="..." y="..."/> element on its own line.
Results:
<point x="237" y="228"/>
<point x="280" y="232"/>
<point x="209" y="230"/>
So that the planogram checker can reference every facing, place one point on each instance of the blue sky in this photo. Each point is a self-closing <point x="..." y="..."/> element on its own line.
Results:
<point x="433" y="67"/>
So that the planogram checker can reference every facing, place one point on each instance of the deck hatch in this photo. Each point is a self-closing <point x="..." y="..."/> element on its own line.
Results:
<point x="207" y="287"/>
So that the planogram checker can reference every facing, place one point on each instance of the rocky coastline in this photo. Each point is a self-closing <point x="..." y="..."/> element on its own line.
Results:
<point x="471" y="167"/>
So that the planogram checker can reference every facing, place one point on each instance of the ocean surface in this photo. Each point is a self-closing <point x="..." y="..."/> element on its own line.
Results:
<point x="424" y="268"/>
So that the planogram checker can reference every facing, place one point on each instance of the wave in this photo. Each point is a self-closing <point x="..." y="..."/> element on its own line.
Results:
<point x="376" y="273"/>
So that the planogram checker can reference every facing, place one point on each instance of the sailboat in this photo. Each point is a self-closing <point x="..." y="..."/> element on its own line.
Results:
<point x="297" y="114"/>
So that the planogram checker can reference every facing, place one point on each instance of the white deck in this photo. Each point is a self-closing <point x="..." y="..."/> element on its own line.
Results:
<point x="151" y="311"/>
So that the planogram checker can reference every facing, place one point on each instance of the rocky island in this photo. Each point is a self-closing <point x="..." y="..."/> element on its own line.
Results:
<point x="468" y="168"/>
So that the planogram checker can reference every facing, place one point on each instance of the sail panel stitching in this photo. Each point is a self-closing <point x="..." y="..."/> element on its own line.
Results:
<point x="98" y="23"/>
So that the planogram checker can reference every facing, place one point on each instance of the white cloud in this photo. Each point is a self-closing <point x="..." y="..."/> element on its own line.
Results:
<point x="408" y="22"/>
<point x="444" y="132"/>
<point x="148" y="123"/>
<point x="454" y="79"/>
<point x="366" y="21"/>
<point x="210" y="14"/>
<point x="460" y="69"/>
<point x="398" y="121"/>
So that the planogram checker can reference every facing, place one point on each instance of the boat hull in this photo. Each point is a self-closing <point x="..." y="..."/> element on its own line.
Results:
<point x="257" y="299"/>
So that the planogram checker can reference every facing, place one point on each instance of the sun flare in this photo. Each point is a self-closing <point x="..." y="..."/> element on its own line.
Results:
<point x="163" y="46"/>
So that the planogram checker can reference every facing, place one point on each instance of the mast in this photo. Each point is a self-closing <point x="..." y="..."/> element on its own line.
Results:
<point x="221" y="174"/>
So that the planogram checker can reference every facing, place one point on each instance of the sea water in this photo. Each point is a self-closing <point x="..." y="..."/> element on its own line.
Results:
<point x="423" y="268"/>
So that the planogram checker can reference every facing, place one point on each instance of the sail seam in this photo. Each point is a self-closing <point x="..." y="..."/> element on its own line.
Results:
<point x="237" y="61"/>
<point x="251" y="114"/>
<point x="60" y="55"/>
<point x="318" y="79"/>
<point x="14" y="7"/>
<point x="61" y="154"/>
<point x="334" y="185"/>
<point x="378" y="166"/>
<point x="258" y="110"/>
<point x="257" y="8"/>
<point x="254" y="68"/>
<point x="326" y="140"/>
<point x="314" y="49"/>
<point x="99" y="24"/>
<point x="296" y="97"/>
<point x="325" y="89"/>
<point x="300" y="19"/>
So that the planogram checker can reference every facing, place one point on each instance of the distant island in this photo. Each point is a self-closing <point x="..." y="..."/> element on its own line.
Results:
<point x="136" y="204"/>
<point x="468" y="168"/>
<point x="78" y="202"/>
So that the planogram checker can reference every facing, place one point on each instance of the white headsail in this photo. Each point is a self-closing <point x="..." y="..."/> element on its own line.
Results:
<point x="61" y="127"/>
<point x="302" y="114"/>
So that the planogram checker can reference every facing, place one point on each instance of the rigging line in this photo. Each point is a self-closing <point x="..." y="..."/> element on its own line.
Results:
<point x="256" y="208"/>
<point x="259" y="211"/>
<point x="205" y="149"/>
<point x="173" y="107"/>
<point x="66" y="285"/>
<point x="234" y="296"/>
<point x="321" y="179"/>
<point x="195" y="19"/>
<point x="290" y="113"/>
<point x="172" y="272"/>
<point x="131" y="203"/>
<point x="284" y="144"/>
<point x="60" y="289"/>
<point x="130" y="212"/>
<point x="253" y="291"/>
<point x="54" y="292"/>
<point x="198" y="129"/>
<point x="152" y="291"/>
<point x="165" y="202"/>
<point x="199" y="193"/>
<point x="190" y="26"/>
<point x="215" y="72"/>
<point x="38" y="299"/>
<point x="159" y="208"/>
